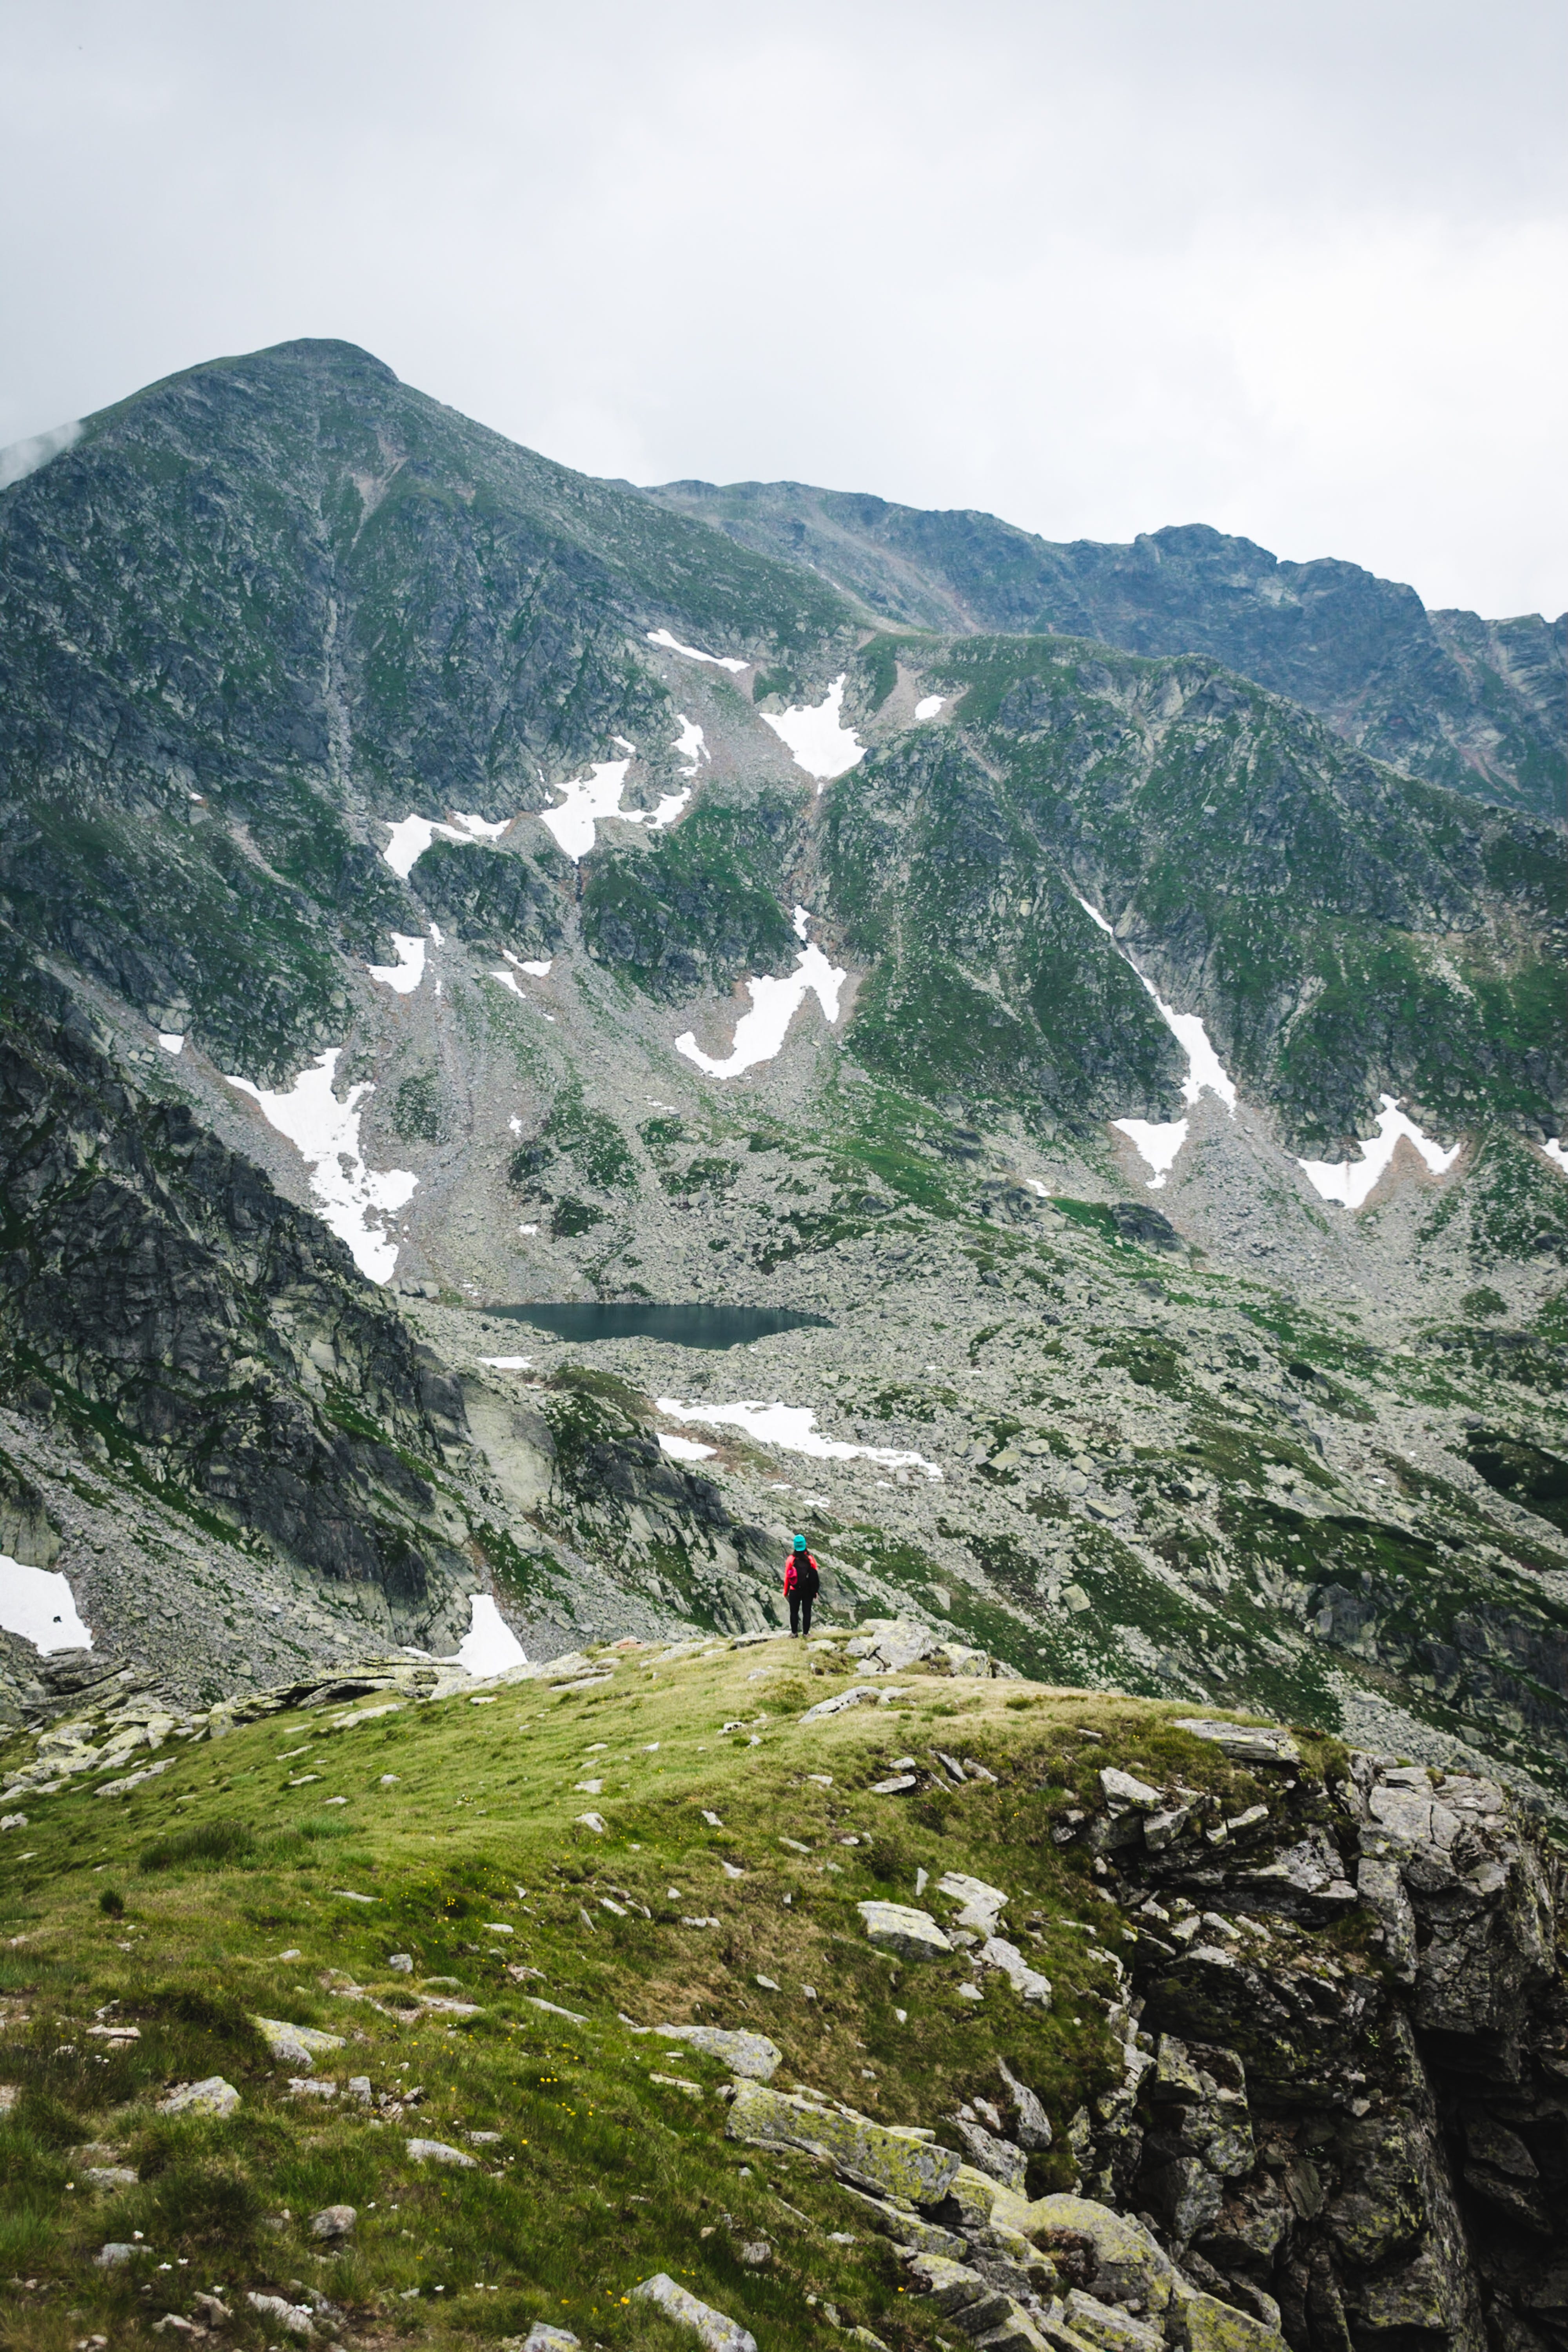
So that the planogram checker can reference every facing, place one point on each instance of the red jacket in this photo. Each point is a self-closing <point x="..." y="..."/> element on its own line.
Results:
<point x="795" y="1577"/>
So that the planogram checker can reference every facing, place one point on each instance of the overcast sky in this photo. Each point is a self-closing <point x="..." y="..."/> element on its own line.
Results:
<point x="1298" y="268"/>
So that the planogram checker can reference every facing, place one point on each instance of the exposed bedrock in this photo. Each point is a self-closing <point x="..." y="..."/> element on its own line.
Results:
<point x="1347" y="2088"/>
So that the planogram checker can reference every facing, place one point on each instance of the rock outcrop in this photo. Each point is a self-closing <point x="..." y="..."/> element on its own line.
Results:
<point x="1346" y="2052"/>
<point x="1342" y="2119"/>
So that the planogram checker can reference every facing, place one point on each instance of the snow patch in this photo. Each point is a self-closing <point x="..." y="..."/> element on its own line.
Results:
<point x="490" y="1646"/>
<point x="792" y="1427"/>
<point x="685" y="1449"/>
<point x="38" y="1605"/>
<point x="818" y="740"/>
<point x="589" y="800"/>
<point x="1557" y="1155"/>
<point x="693" y="653"/>
<point x="691" y="745"/>
<point x="1351" y="1180"/>
<point x="404" y="976"/>
<point x="928" y="705"/>
<point x="1157" y="1143"/>
<point x="171" y="1040"/>
<point x="1156" y="1146"/>
<point x="509" y="1363"/>
<point x="669" y="808"/>
<point x="508" y="980"/>
<point x="326" y="1134"/>
<point x="759" y="1034"/>
<point x="407" y="842"/>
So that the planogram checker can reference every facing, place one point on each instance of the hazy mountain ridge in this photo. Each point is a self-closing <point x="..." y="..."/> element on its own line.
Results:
<point x="291" y="592"/>
<point x="1478" y="705"/>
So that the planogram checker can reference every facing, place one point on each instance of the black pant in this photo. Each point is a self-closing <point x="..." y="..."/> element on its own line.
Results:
<point x="801" y="1611"/>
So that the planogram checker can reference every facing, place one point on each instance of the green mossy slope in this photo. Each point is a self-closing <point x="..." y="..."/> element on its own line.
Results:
<point x="211" y="1895"/>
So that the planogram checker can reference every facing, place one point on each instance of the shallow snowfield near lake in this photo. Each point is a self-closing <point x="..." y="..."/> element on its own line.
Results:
<point x="1157" y="1143"/>
<point x="326" y="1133"/>
<point x="490" y="1646"/>
<point x="792" y="1427"/>
<point x="759" y="1034"/>
<point x="38" y="1605"/>
<point x="1351" y="1182"/>
<point x="685" y="1449"/>
<point x="818" y="740"/>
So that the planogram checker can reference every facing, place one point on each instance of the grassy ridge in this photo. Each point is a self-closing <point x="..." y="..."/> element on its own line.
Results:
<point x="219" y="1892"/>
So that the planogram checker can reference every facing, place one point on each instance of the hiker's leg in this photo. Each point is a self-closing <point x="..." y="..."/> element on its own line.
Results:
<point x="795" y="1613"/>
<point x="806" y="1611"/>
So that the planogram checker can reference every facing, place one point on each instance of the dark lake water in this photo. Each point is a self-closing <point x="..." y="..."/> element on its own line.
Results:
<point x="682" y="1327"/>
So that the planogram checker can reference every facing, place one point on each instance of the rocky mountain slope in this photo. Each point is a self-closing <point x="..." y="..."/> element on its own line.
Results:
<point x="433" y="882"/>
<point x="1478" y="705"/>
<point x="758" y="1992"/>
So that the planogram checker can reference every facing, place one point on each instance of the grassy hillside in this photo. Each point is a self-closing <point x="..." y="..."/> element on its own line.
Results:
<point x="1346" y="931"/>
<point x="225" y="1888"/>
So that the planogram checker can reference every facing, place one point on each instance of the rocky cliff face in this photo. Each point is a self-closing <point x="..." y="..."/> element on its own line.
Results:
<point x="267" y="601"/>
<point x="1474" y="704"/>
<point x="1349" y="2089"/>
<point x="204" y="1336"/>
<point x="226" y="1426"/>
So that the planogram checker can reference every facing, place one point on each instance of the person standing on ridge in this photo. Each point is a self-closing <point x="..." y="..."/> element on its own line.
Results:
<point x="803" y="1582"/>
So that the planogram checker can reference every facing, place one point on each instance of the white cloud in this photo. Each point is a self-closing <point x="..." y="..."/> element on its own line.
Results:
<point x="25" y="457"/>
<point x="1289" y="271"/>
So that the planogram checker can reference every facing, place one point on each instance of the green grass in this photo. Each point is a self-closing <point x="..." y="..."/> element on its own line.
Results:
<point x="460" y="1821"/>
